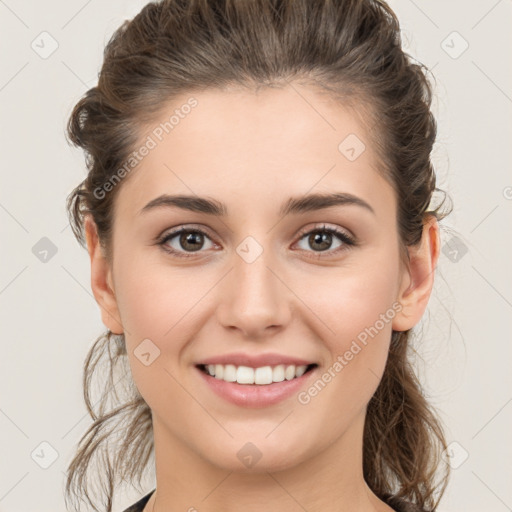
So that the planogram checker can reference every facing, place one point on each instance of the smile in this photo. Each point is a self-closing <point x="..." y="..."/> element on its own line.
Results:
<point x="257" y="387"/>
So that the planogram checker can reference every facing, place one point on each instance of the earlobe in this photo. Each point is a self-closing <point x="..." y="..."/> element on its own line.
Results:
<point x="418" y="283"/>
<point x="101" y="279"/>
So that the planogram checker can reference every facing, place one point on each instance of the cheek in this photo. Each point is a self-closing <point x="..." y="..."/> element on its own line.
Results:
<point x="162" y="304"/>
<point x="151" y="297"/>
<point x="356" y="306"/>
<point x="354" y="297"/>
<point x="360" y="313"/>
<point x="152" y="308"/>
<point x="362" y="305"/>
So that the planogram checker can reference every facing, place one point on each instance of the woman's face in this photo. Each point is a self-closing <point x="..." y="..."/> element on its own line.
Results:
<point x="257" y="282"/>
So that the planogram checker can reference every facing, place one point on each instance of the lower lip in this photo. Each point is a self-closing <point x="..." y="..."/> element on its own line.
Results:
<point x="255" y="395"/>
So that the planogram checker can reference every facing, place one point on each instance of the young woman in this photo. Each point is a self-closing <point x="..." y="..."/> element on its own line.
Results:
<point x="258" y="213"/>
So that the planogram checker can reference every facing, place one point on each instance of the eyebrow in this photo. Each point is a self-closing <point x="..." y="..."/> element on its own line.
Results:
<point x="294" y="205"/>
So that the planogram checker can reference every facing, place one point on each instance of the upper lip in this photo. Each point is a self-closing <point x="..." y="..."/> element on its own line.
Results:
<point x="255" y="361"/>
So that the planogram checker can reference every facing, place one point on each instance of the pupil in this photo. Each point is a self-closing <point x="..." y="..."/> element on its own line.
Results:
<point x="319" y="238"/>
<point x="189" y="241"/>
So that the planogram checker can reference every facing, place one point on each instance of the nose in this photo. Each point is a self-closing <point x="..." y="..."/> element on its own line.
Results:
<point x="254" y="298"/>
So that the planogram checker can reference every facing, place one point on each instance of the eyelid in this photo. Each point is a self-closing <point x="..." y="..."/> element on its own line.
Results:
<point x="185" y="227"/>
<point x="322" y="226"/>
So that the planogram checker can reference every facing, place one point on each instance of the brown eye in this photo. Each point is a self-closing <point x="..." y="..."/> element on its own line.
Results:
<point x="321" y="240"/>
<point x="184" y="240"/>
<point x="192" y="240"/>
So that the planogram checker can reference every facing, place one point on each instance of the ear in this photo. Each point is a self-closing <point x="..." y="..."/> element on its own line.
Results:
<point x="101" y="279"/>
<point x="418" y="279"/>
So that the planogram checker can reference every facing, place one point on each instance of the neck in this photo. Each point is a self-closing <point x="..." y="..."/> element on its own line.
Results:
<point x="329" y="481"/>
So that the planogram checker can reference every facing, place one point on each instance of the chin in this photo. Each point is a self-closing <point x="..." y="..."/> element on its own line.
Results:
<point x="268" y="463"/>
<point x="251" y="456"/>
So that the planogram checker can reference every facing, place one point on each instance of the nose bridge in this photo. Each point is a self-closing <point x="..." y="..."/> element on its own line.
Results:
<point x="256" y="286"/>
<point x="254" y="297"/>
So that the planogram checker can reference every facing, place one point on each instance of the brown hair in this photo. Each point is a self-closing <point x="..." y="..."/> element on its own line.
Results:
<point x="349" y="49"/>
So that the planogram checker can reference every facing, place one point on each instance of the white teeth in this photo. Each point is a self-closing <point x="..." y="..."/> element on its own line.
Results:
<point x="244" y="375"/>
<point x="229" y="373"/>
<point x="289" y="373"/>
<point x="260" y="376"/>
<point x="300" y="371"/>
<point x="219" y="370"/>
<point x="263" y="375"/>
<point x="278" y="373"/>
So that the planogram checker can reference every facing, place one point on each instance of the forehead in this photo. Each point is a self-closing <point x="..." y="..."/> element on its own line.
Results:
<point x="253" y="148"/>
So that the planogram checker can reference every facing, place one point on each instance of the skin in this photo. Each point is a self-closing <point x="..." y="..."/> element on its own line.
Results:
<point x="252" y="151"/>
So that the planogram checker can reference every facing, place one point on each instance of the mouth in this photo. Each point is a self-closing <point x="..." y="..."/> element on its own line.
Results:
<point x="261" y="376"/>
<point x="259" y="387"/>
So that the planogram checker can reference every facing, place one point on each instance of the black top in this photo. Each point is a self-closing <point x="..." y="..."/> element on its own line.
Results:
<point x="139" y="506"/>
<point x="399" y="505"/>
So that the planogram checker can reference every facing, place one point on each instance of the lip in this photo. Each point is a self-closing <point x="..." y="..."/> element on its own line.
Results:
<point x="255" y="395"/>
<point x="255" y="361"/>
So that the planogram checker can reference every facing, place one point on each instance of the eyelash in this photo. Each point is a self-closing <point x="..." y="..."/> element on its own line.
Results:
<point x="348" y="241"/>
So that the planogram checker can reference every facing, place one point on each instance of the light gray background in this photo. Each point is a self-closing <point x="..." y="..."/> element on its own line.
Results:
<point x="49" y="317"/>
